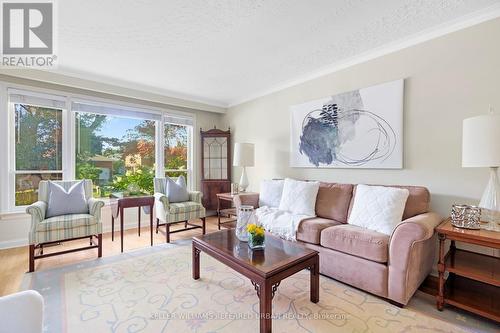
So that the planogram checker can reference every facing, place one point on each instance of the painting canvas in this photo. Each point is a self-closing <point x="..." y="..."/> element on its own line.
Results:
<point x="356" y="129"/>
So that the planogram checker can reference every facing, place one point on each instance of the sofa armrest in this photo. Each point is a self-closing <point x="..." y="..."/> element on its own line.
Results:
<point x="95" y="206"/>
<point x="246" y="199"/>
<point x="22" y="312"/>
<point x="195" y="196"/>
<point x="414" y="229"/>
<point x="412" y="250"/>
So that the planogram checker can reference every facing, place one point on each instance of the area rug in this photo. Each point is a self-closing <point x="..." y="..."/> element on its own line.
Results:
<point x="151" y="290"/>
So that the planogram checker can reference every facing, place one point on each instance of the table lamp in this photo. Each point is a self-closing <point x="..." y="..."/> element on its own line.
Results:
<point x="481" y="148"/>
<point x="243" y="157"/>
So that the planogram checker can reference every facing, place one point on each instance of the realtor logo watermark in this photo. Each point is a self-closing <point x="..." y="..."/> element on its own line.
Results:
<point x="28" y="34"/>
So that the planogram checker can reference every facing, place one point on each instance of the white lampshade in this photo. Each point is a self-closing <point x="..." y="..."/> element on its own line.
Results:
<point x="243" y="154"/>
<point x="481" y="141"/>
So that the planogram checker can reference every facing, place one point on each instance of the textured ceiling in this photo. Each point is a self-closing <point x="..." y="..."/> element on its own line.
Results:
<point x="223" y="52"/>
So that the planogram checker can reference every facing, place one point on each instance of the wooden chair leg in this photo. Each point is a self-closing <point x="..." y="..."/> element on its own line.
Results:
<point x="167" y="225"/>
<point x="157" y="224"/>
<point x="99" y="248"/>
<point x="203" y="225"/>
<point x="185" y="224"/>
<point x="32" y="258"/>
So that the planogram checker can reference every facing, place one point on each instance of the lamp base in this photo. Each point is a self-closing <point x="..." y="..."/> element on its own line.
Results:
<point x="243" y="181"/>
<point x="490" y="201"/>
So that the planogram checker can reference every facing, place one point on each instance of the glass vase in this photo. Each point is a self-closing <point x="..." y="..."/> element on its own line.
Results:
<point x="256" y="242"/>
<point x="245" y="217"/>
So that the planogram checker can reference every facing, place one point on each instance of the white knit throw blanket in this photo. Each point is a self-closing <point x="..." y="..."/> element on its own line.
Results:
<point x="280" y="223"/>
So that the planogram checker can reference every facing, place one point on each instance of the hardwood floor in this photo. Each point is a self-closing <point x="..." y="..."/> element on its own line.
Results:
<point x="14" y="262"/>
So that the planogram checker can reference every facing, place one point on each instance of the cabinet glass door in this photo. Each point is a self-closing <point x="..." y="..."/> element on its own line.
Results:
<point x="215" y="157"/>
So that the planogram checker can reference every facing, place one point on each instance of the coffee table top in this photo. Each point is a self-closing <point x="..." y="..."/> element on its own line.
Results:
<point x="278" y="254"/>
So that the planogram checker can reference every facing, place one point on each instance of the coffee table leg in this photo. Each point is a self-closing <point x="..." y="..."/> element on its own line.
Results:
<point x="315" y="280"/>
<point x="196" y="263"/>
<point x="266" y="299"/>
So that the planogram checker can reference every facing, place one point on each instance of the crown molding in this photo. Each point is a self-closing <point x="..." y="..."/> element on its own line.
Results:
<point x="466" y="21"/>
<point x="87" y="81"/>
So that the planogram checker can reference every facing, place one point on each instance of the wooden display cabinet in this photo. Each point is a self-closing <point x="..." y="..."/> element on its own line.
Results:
<point x="215" y="165"/>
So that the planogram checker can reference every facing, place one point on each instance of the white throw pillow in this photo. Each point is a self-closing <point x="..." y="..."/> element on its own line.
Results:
<point x="299" y="197"/>
<point x="176" y="191"/>
<point x="62" y="202"/>
<point x="270" y="193"/>
<point x="378" y="208"/>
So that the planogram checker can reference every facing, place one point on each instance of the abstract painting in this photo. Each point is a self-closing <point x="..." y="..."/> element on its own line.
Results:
<point x="356" y="129"/>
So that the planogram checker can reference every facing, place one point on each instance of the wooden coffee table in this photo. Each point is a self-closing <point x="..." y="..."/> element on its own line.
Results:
<point x="265" y="268"/>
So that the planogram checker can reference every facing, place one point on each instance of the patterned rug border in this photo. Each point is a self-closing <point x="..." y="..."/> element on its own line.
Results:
<point x="50" y="277"/>
<point x="48" y="282"/>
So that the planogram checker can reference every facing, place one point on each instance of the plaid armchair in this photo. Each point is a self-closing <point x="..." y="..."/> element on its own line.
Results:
<point x="55" y="229"/>
<point x="171" y="213"/>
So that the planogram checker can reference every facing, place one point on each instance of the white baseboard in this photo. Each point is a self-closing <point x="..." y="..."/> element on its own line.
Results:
<point x="14" y="243"/>
<point x="24" y="241"/>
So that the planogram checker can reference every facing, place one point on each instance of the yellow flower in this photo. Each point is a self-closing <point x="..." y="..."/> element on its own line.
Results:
<point x="251" y="228"/>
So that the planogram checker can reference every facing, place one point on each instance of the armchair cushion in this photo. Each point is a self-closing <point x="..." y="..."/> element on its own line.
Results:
<point x="184" y="207"/>
<point x="65" y="222"/>
<point x="71" y="201"/>
<point x="65" y="227"/>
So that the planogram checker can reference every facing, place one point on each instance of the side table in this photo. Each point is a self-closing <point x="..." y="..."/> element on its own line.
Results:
<point x="119" y="202"/>
<point x="473" y="282"/>
<point x="228" y="212"/>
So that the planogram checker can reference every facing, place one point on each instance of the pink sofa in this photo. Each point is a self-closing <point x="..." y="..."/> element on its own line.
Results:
<point x="393" y="266"/>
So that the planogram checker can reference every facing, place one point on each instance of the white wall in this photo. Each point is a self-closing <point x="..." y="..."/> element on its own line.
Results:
<point x="447" y="79"/>
<point x="14" y="227"/>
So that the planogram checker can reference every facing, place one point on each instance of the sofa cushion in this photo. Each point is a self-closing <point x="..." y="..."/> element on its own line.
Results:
<point x="309" y="230"/>
<point x="333" y="201"/>
<point x="417" y="203"/>
<point x="357" y="241"/>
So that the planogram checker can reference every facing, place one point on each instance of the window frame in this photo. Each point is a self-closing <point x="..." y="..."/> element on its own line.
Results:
<point x="189" y="170"/>
<point x="7" y="134"/>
